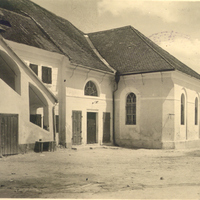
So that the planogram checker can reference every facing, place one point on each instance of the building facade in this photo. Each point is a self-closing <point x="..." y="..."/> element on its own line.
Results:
<point x="26" y="108"/>
<point x="158" y="110"/>
<point x="126" y="91"/>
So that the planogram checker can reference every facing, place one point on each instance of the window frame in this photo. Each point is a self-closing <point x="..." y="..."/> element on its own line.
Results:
<point x="131" y="109"/>
<point x="89" y="92"/>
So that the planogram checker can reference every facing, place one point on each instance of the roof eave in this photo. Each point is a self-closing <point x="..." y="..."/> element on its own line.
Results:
<point x="90" y="68"/>
<point x="145" y="72"/>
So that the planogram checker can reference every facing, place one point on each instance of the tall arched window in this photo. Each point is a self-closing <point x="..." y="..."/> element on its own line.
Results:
<point x="90" y="89"/>
<point x="196" y="111"/>
<point x="182" y="109"/>
<point x="131" y="109"/>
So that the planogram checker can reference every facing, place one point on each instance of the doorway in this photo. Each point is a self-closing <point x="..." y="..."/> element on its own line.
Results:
<point x="91" y="127"/>
<point x="8" y="134"/>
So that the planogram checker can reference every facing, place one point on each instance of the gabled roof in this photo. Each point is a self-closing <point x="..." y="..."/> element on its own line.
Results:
<point x="128" y="51"/>
<point x="33" y="25"/>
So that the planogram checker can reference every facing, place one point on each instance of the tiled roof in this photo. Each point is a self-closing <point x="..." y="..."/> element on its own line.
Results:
<point x="32" y="25"/>
<point x="23" y="30"/>
<point x="128" y="51"/>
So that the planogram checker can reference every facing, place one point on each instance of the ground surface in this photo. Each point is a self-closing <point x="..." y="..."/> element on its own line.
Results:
<point x="102" y="172"/>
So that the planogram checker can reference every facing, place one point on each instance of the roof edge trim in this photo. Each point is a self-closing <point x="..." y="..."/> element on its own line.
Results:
<point x="146" y="72"/>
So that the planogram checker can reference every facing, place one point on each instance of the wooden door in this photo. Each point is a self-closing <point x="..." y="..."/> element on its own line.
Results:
<point x="91" y="128"/>
<point x="106" y="127"/>
<point x="76" y="127"/>
<point x="8" y="134"/>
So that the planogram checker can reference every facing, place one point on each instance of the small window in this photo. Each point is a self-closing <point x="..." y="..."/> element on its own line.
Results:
<point x="34" y="68"/>
<point x="46" y="75"/>
<point x="91" y="89"/>
<point x="182" y="109"/>
<point x="196" y="111"/>
<point x="131" y="109"/>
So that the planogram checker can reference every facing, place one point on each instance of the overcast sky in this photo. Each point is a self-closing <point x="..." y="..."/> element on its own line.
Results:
<point x="174" y="25"/>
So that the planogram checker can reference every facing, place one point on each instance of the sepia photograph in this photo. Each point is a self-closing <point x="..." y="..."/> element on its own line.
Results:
<point x="100" y="99"/>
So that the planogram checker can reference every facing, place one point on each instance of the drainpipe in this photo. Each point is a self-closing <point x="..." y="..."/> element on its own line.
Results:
<point x="54" y="123"/>
<point x="117" y="78"/>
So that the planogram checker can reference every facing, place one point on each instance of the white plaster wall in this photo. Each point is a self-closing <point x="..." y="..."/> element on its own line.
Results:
<point x="76" y="100"/>
<point x="14" y="103"/>
<point x="68" y="86"/>
<point x="190" y="87"/>
<point x="41" y="58"/>
<point x="153" y="92"/>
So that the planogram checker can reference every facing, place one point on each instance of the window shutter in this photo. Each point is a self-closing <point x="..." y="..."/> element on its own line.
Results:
<point x="49" y="76"/>
<point x="46" y="75"/>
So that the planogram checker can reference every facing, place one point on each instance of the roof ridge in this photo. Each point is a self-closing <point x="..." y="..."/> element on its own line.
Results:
<point x="98" y="54"/>
<point x="134" y="30"/>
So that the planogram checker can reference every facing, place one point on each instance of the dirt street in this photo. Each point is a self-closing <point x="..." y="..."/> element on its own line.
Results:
<point x="102" y="172"/>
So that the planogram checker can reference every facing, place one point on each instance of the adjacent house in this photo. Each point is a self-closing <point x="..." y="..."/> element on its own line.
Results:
<point x="27" y="106"/>
<point x="113" y="86"/>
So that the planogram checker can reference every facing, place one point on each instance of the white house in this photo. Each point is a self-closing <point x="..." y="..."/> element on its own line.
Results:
<point x="26" y="106"/>
<point x="113" y="86"/>
<point x="157" y="99"/>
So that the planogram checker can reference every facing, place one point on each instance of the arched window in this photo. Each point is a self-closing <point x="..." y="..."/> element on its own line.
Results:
<point x="90" y="89"/>
<point x="131" y="109"/>
<point x="196" y="111"/>
<point x="182" y="109"/>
